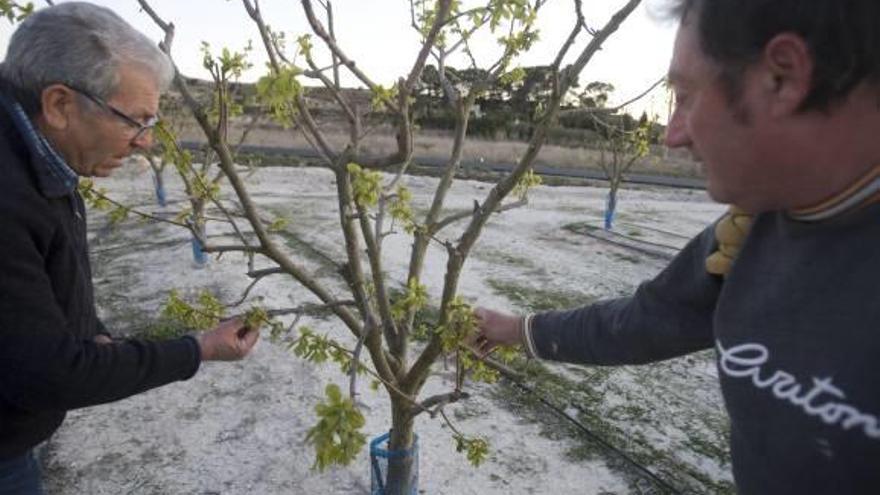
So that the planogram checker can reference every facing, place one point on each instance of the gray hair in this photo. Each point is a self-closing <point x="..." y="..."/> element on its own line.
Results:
<point x="79" y="44"/>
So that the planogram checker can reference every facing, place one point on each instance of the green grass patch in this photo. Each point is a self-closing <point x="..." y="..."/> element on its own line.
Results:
<point x="635" y="260"/>
<point x="533" y="299"/>
<point x="497" y="257"/>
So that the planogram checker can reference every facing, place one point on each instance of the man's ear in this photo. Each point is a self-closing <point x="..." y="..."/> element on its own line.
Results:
<point x="58" y="103"/>
<point x="787" y="72"/>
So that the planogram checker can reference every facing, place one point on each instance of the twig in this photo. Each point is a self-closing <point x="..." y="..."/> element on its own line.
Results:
<point x="257" y="276"/>
<point x="579" y="24"/>
<point x="356" y="356"/>
<point x="139" y="213"/>
<point x="441" y="400"/>
<point x="226" y="249"/>
<point x="615" y="109"/>
<point x="319" y="30"/>
<point x="465" y="214"/>
<point x="442" y="11"/>
<point x="310" y="308"/>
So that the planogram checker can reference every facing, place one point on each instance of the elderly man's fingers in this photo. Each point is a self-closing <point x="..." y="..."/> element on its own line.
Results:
<point x="249" y="339"/>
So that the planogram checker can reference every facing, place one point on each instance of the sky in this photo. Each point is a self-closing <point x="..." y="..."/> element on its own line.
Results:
<point x="378" y="36"/>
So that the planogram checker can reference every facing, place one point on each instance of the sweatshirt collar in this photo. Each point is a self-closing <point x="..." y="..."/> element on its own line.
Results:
<point x="861" y="193"/>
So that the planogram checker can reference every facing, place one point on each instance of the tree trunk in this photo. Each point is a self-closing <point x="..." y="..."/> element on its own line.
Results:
<point x="198" y="221"/>
<point x="402" y="472"/>
<point x="610" y="207"/>
<point x="159" y="182"/>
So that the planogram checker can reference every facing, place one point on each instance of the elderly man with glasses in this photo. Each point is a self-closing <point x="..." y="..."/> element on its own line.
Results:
<point x="79" y="91"/>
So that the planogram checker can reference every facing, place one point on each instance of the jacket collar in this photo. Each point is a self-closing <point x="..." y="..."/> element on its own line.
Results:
<point x="55" y="178"/>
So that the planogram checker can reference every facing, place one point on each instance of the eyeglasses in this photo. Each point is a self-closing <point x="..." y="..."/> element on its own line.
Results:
<point x="142" y="127"/>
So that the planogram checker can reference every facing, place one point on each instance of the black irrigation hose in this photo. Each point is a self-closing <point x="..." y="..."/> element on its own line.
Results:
<point x="655" y="229"/>
<point x="644" y="242"/>
<point x="596" y="438"/>
<point x="638" y="249"/>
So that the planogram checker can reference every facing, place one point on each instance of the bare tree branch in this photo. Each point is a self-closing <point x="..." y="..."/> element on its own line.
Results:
<point x="226" y="249"/>
<point x="355" y="360"/>
<point x="311" y="308"/>
<point x="257" y="276"/>
<point x="442" y="12"/>
<point x="322" y="33"/>
<point x="139" y="213"/>
<point x="579" y="25"/>
<point x="440" y="225"/>
<point x="437" y="402"/>
<point x="614" y="109"/>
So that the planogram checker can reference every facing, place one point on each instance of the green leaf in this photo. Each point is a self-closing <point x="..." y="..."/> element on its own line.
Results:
<point x="278" y="92"/>
<point x="461" y="322"/>
<point x="383" y="98"/>
<point x="15" y="12"/>
<point x="478" y="369"/>
<point x="513" y="76"/>
<point x="529" y="180"/>
<point x="119" y="214"/>
<point x="336" y="438"/>
<point x="475" y="448"/>
<point x="255" y="317"/>
<point x="205" y="313"/>
<point x="414" y="299"/>
<point x="311" y="347"/>
<point x="277" y="225"/>
<point x="366" y="184"/>
<point x="401" y="210"/>
<point x="92" y="196"/>
<point x="305" y="45"/>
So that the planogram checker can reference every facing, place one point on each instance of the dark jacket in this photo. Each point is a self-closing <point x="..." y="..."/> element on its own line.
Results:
<point x="49" y="362"/>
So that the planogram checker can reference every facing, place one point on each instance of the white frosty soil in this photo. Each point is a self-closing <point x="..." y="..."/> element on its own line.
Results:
<point x="239" y="428"/>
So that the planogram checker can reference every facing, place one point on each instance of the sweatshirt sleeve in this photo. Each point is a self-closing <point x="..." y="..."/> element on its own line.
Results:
<point x="668" y="316"/>
<point x="43" y="366"/>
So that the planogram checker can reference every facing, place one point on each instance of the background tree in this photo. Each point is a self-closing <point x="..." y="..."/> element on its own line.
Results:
<point x="622" y="140"/>
<point x="619" y="150"/>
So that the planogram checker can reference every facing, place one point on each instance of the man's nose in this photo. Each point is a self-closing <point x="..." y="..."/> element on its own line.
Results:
<point x="676" y="132"/>
<point x="143" y="141"/>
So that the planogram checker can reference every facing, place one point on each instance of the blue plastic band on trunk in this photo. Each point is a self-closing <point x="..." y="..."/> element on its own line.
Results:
<point x="376" y="450"/>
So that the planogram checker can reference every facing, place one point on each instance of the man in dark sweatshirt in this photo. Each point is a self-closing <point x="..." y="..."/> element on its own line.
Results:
<point x="780" y="101"/>
<point x="79" y="91"/>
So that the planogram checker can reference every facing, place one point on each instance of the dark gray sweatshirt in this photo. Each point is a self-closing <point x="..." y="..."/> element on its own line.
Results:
<point x="796" y="329"/>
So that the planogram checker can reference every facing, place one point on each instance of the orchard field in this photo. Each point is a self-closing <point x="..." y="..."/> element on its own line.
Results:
<point x="240" y="429"/>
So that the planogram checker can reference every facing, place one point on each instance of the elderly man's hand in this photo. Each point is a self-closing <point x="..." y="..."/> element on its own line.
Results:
<point x="496" y="328"/>
<point x="231" y="340"/>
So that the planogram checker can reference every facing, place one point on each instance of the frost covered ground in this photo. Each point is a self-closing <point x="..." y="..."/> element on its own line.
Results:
<point x="239" y="428"/>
